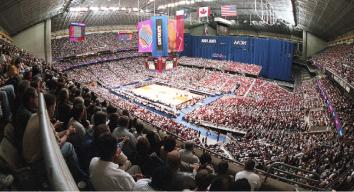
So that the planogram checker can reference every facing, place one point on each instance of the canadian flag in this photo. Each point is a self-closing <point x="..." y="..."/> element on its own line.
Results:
<point x="204" y="11"/>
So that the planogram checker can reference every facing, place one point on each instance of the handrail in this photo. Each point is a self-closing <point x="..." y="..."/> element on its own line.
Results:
<point x="274" y="165"/>
<point x="58" y="173"/>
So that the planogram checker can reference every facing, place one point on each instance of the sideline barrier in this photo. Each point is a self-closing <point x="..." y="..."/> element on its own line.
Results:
<point x="58" y="174"/>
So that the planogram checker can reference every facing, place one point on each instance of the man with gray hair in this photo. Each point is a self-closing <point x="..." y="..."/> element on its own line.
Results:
<point x="187" y="155"/>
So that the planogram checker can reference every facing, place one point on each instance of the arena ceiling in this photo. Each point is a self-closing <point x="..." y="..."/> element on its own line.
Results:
<point x="325" y="18"/>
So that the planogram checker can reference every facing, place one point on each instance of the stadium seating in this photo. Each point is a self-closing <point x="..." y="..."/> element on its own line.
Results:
<point x="272" y="117"/>
<point x="339" y="59"/>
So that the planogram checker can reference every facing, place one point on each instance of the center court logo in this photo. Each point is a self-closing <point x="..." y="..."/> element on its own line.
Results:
<point x="145" y="36"/>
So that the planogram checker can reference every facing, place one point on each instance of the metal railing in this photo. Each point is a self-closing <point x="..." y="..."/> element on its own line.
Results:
<point x="279" y="167"/>
<point x="58" y="174"/>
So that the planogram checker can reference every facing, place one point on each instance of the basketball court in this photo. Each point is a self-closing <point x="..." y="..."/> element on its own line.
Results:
<point x="164" y="94"/>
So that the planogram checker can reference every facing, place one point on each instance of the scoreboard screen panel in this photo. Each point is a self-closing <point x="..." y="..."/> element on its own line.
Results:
<point x="77" y="32"/>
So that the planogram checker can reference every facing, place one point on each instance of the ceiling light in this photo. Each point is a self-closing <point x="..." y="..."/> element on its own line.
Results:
<point x="94" y="8"/>
<point x="123" y="8"/>
<point x="114" y="8"/>
<point x="135" y="9"/>
<point x="78" y="9"/>
<point x="104" y="8"/>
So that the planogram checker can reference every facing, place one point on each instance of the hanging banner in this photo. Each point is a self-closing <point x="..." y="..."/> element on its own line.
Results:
<point x="172" y="34"/>
<point x="160" y="36"/>
<point x="77" y="32"/>
<point x="179" y="33"/>
<point x="145" y="36"/>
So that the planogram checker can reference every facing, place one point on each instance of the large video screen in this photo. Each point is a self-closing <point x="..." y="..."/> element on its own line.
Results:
<point x="77" y="32"/>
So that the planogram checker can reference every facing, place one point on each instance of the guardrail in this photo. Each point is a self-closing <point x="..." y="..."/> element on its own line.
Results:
<point x="279" y="167"/>
<point x="58" y="174"/>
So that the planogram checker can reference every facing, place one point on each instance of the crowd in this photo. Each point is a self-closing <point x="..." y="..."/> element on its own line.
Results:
<point x="138" y="158"/>
<point x="324" y="155"/>
<point x="120" y="155"/>
<point x="93" y="43"/>
<point x="67" y="64"/>
<point x="111" y="74"/>
<point x="114" y="73"/>
<point x="339" y="59"/>
<point x="267" y="105"/>
<point x="233" y="66"/>
<point x="341" y="101"/>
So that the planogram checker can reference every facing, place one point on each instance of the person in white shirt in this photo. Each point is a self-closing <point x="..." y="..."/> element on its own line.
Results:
<point x="249" y="174"/>
<point x="106" y="175"/>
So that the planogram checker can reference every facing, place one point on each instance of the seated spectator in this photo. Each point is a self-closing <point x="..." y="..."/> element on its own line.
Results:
<point x="206" y="163"/>
<point x="253" y="179"/>
<point x="144" y="159"/>
<point x="168" y="145"/>
<point x="80" y="131"/>
<point x="220" y="184"/>
<point x="240" y="185"/>
<point x="23" y="114"/>
<point x="106" y="175"/>
<point x="160" y="181"/>
<point x="122" y="131"/>
<point x="113" y="121"/>
<point x="63" y="110"/>
<point x="32" y="150"/>
<point x="187" y="153"/>
<point x="203" y="179"/>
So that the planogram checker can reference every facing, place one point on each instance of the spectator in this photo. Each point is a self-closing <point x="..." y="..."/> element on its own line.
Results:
<point x="161" y="180"/>
<point x="23" y="114"/>
<point x="80" y="131"/>
<point x="121" y="131"/>
<point x="220" y="184"/>
<point x="241" y="185"/>
<point x="106" y="175"/>
<point x="32" y="151"/>
<point x="253" y="179"/>
<point x="203" y="179"/>
<point x="187" y="153"/>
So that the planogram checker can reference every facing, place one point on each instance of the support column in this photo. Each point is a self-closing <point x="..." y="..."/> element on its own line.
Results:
<point x="47" y="41"/>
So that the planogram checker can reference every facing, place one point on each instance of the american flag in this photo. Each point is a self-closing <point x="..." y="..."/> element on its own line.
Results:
<point x="228" y="10"/>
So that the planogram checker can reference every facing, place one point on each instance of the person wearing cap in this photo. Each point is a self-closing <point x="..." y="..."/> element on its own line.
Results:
<point x="249" y="174"/>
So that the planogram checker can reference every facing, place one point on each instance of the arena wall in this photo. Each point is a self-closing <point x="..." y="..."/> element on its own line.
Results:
<point x="312" y="44"/>
<point x="36" y="40"/>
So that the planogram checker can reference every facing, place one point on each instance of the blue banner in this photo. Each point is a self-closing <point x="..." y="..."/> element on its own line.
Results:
<point x="160" y="36"/>
<point x="275" y="56"/>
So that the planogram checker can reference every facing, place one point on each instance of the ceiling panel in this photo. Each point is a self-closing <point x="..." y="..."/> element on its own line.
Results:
<point x="325" y="18"/>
